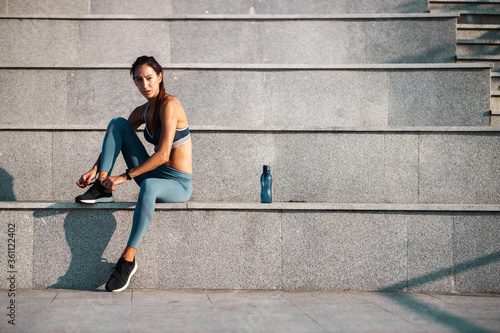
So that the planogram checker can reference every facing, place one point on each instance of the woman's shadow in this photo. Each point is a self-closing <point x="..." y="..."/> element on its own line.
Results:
<point x="88" y="232"/>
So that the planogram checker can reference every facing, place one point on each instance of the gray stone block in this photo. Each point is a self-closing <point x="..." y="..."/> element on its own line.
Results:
<point x="96" y="97"/>
<point x="357" y="41"/>
<point x="459" y="168"/>
<point x="430" y="251"/>
<point x="319" y="253"/>
<point x="401" y="168"/>
<point x="219" y="175"/>
<point x="279" y="98"/>
<point x="214" y="41"/>
<point x="330" y="168"/>
<point x="339" y="41"/>
<point x="69" y="246"/>
<point x="325" y="98"/>
<point x="339" y="7"/>
<point x="26" y="165"/>
<point x="173" y="310"/>
<point x="39" y="42"/>
<point x="131" y="7"/>
<point x="3" y="6"/>
<point x="27" y="7"/>
<point x="220" y="98"/>
<point x="410" y="41"/>
<point x="212" y="7"/>
<point x="250" y="311"/>
<point x="219" y="250"/>
<point x="142" y="38"/>
<point x="17" y="261"/>
<point x="439" y="102"/>
<point x="477" y="253"/>
<point x="33" y="97"/>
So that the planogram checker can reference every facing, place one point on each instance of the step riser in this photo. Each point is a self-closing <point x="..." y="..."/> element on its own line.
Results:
<point x="253" y="98"/>
<point x="260" y="250"/>
<point x="167" y="7"/>
<point x="478" y="34"/>
<point x="312" y="167"/>
<point x="493" y="8"/>
<point x="478" y="49"/>
<point x="496" y="64"/>
<point x="70" y="42"/>
<point x="479" y="19"/>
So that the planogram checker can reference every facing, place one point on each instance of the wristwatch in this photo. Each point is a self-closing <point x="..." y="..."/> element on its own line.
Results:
<point x="128" y="174"/>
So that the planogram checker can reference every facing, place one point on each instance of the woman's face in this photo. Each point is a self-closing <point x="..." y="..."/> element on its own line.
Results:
<point x="147" y="81"/>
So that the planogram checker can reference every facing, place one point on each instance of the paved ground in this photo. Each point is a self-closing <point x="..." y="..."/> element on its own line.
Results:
<point x="146" y="310"/>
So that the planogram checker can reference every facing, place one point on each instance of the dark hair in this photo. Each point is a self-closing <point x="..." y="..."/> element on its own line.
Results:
<point x="151" y="62"/>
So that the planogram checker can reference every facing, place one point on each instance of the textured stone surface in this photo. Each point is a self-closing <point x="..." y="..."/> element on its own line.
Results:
<point x="219" y="250"/>
<point x="251" y="311"/>
<point x="219" y="175"/>
<point x="173" y="311"/>
<point x="252" y="98"/>
<point x="212" y="7"/>
<point x="439" y="102"/>
<point x="26" y="165"/>
<point x="220" y="98"/>
<point x="326" y="98"/>
<point x="76" y="241"/>
<point x="33" y="97"/>
<point x="430" y="251"/>
<point x="334" y="41"/>
<point x="214" y="41"/>
<point x="330" y="168"/>
<point x="3" y="6"/>
<point x="401" y="168"/>
<point x="142" y="38"/>
<point x="477" y="252"/>
<point x="27" y="7"/>
<point x="39" y="42"/>
<point x="96" y="97"/>
<point x="353" y="251"/>
<point x="132" y="7"/>
<point x="17" y="240"/>
<point x="339" y="7"/>
<point x="459" y="168"/>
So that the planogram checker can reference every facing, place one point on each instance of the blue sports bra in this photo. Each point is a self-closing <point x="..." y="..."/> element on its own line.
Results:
<point x="181" y="135"/>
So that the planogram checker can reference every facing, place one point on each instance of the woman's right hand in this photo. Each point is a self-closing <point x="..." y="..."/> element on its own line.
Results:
<point x="86" y="178"/>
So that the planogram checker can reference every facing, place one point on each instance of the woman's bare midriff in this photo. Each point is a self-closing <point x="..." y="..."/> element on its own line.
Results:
<point x="181" y="158"/>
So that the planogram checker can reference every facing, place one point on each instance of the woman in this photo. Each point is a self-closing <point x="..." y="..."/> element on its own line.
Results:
<point x="164" y="176"/>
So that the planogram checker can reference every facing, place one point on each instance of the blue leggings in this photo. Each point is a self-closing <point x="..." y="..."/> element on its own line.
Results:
<point x="163" y="184"/>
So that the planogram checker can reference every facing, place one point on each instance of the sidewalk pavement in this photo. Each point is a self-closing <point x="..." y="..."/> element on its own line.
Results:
<point x="148" y="310"/>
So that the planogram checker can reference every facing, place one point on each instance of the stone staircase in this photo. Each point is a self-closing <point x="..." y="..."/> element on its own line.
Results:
<point x="478" y="39"/>
<point x="385" y="165"/>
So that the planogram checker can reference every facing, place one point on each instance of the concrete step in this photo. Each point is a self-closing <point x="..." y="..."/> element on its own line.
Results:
<point x="203" y="245"/>
<point x="478" y="31"/>
<point x="453" y="165"/>
<point x="280" y="39"/>
<point x="258" y="96"/>
<point x="468" y="6"/>
<point x="168" y="7"/>
<point x="485" y="59"/>
<point x="478" y="46"/>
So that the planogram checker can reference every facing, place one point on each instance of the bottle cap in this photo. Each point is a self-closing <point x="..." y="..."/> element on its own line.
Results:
<point x="267" y="168"/>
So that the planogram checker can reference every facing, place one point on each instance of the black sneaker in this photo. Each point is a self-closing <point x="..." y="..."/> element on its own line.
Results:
<point x="96" y="193"/>
<point x="122" y="273"/>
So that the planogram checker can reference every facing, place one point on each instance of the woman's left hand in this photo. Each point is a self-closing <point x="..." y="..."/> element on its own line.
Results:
<point x="111" y="181"/>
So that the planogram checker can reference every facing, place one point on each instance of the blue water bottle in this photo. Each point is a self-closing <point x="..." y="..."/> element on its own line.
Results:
<point x="266" y="185"/>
